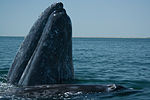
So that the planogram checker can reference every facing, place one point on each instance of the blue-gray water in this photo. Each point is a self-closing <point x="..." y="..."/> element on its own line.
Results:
<point x="98" y="61"/>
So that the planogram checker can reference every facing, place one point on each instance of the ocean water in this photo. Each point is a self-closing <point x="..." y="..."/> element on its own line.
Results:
<point x="98" y="61"/>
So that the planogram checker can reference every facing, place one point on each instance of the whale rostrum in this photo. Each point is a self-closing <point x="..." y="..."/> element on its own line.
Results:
<point x="45" y="56"/>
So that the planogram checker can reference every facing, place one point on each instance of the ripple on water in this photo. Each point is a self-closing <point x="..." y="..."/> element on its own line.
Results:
<point x="98" y="61"/>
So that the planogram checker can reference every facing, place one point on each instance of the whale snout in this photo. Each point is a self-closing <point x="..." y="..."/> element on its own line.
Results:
<point x="57" y="5"/>
<point x="60" y="25"/>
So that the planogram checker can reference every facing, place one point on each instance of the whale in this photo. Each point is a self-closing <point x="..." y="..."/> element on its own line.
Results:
<point x="58" y="91"/>
<point x="43" y="64"/>
<point x="28" y="46"/>
<point x="45" y="56"/>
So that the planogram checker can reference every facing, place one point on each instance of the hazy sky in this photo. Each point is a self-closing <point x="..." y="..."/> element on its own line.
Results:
<point x="90" y="18"/>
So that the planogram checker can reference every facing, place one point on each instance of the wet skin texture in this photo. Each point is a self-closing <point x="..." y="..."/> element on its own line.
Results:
<point x="58" y="90"/>
<point x="45" y="56"/>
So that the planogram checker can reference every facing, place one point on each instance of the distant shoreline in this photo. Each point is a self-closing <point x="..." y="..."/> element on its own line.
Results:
<point x="89" y="37"/>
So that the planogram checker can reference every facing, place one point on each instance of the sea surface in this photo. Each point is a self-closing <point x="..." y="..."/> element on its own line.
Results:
<point x="103" y="61"/>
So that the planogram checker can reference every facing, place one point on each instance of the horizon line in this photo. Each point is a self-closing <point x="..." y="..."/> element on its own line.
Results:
<point x="81" y="37"/>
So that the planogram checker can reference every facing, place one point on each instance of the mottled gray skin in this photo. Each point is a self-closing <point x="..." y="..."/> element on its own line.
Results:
<point x="56" y="90"/>
<point x="52" y="59"/>
<point x="45" y="56"/>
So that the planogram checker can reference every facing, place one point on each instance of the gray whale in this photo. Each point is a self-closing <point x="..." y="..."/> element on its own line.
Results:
<point x="45" y="56"/>
<point x="60" y="90"/>
<point x="44" y="60"/>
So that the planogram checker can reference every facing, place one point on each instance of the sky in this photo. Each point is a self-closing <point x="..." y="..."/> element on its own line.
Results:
<point x="90" y="18"/>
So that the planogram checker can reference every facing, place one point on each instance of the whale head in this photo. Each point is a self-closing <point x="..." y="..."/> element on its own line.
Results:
<point x="51" y="61"/>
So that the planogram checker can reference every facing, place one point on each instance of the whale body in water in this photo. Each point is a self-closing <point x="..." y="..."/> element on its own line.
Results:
<point x="45" y="56"/>
<point x="44" y="59"/>
<point x="58" y="91"/>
